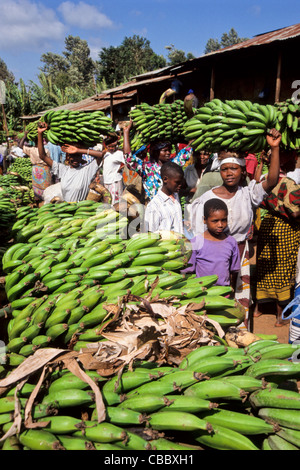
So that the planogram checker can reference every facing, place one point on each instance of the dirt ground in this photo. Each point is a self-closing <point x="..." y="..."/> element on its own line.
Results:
<point x="265" y="324"/>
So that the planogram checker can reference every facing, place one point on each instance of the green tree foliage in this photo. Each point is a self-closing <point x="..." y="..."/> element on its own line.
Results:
<point x="133" y="57"/>
<point x="176" y="56"/>
<point x="74" y="67"/>
<point x="227" y="39"/>
<point x="5" y="74"/>
<point x="17" y="103"/>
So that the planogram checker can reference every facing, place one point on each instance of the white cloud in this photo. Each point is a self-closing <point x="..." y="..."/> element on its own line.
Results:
<point x="83" y="15"/>
<point x="255" y="10"/>
<point x="28" y="25"/>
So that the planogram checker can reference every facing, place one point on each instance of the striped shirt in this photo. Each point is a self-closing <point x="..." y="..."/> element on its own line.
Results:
<point x="163" y="213"/>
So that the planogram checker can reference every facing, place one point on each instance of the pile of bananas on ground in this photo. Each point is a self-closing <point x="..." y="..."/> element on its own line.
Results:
<point x="288" y="113"/>
<point x="73" y="127"/>
<point x="19" y="194"/>
<point x="233" y="124"/>
<point x="23" y="168"/>
<point x="8" y="209"/>
<point x="218" y="397"/>
<point x="162" y="122"/>
<point x="70" y="261"/>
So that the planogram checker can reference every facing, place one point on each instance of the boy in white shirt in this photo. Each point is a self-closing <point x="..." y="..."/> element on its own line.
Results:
<point x="113" y="163"/>
<point x="164" y="211"/>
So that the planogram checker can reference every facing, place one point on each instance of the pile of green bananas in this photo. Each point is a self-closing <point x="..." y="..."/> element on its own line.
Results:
<point x="11" y="188"/>
<point x="69" y="260"/>
<point x="161" y="122"/>
<point x="288" y="123"/>
<point x="73" y="127"/>
<point x="233" y="124"/>
<point x="23" y="167"/>
<point x="218" y="397"/>
<point x="8" y="210"/>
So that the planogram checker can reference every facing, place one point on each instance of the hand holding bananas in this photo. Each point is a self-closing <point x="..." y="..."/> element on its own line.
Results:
<point x="240" y="200"/>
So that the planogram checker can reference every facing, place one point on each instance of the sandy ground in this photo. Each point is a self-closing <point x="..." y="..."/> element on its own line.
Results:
<point x="265" y="325"/>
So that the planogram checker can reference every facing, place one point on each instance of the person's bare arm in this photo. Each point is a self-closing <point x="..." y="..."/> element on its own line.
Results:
<point x="273" y="139"/>
<point x="126" y="138"/>
<point x="42" y="127"/>
<point x="98" y="154"/>
<point x="259" y="169"/>
<point x="22" y="141"/>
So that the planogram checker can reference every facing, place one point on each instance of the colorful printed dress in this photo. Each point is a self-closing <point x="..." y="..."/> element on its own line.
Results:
<point x="150" y="171"/>
<point x="278" y="243"/>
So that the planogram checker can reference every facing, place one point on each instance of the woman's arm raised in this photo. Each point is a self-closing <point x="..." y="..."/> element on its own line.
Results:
<point x="273" y="139"/>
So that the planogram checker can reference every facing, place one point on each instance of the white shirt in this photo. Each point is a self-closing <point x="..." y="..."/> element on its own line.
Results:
<point x="163" y="213"/>
<point x="240" y="209"/>
<point x="191" y="176"/>
<point x="75" y="182"/>
<point x="111" y="166"/>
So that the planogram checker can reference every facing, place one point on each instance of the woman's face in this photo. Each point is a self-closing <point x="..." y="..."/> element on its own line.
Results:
<point x="75" y="160"/>
<point x="202" y="158"/>
<point x="231" y="174"/>
<point x="164" y="155"/>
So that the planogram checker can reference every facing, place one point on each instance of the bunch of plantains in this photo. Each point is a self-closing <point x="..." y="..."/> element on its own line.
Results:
<point x="69" y="260"/>
<point x="288" y="115"/>
<point x="240" y="125"/>
<point x="67" y="263"/>
<point x="23" y="168"/>
<point x="73" y="127"/>
<point x="8" y="209"/>
<point x="17" y="192"/>
<point x="161" y="122"/>
<point x="218" y="397"/>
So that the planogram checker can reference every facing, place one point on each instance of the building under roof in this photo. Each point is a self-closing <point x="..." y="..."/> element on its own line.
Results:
<point x="264" y="68"/>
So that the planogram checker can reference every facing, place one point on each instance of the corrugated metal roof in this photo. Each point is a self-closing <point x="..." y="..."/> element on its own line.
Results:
<point x="262" y="39"/>
<point x="96" y="102"/>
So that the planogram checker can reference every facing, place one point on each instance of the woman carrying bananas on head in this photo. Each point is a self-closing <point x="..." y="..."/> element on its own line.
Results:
<point x="241" y="202"/>
<point x="74" y="178"/>
<point x="149" y="170"/>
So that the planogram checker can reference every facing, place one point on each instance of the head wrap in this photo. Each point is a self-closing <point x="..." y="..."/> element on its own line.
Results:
<point x="141" y="149"/>
<point x="235" y="160"/>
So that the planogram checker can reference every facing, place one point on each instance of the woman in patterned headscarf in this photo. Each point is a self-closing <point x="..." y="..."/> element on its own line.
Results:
<point x="278" y="243"/>
<point x="160" y="153"/>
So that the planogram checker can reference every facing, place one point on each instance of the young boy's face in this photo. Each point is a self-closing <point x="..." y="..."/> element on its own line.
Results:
<point x="216" y="222"/>
<point x="172" y="184"/>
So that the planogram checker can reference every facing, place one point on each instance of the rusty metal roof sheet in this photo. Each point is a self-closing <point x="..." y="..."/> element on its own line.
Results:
<point x="95" y="102"/>
<point x="262" y="39"/>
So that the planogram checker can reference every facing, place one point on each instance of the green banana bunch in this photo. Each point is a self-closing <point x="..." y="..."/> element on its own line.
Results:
<point x="32" y="128"/>
<point x="23" y="168"/>
<point x="159" y="122"/>
<point x="58" y="276"/>
<point x="227" y="410"/>
<point x="288" y="123"/>
<point x="73" y="127"/>
<point x="233" y="124"/>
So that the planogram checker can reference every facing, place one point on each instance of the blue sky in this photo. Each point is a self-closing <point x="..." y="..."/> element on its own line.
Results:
<point x="30" y="28"/>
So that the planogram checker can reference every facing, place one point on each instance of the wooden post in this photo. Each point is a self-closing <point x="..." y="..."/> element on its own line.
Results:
<point x="212" y="84"/>
<point x="278" y="77"/>
<point x="111" y="107"/>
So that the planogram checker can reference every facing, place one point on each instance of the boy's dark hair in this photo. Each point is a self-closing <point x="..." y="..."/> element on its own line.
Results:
<point x="171" y="169"/>
<point x="213" y="205"/>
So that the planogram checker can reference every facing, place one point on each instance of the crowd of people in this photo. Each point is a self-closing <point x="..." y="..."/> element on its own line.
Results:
<point x="223" y="203"/>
